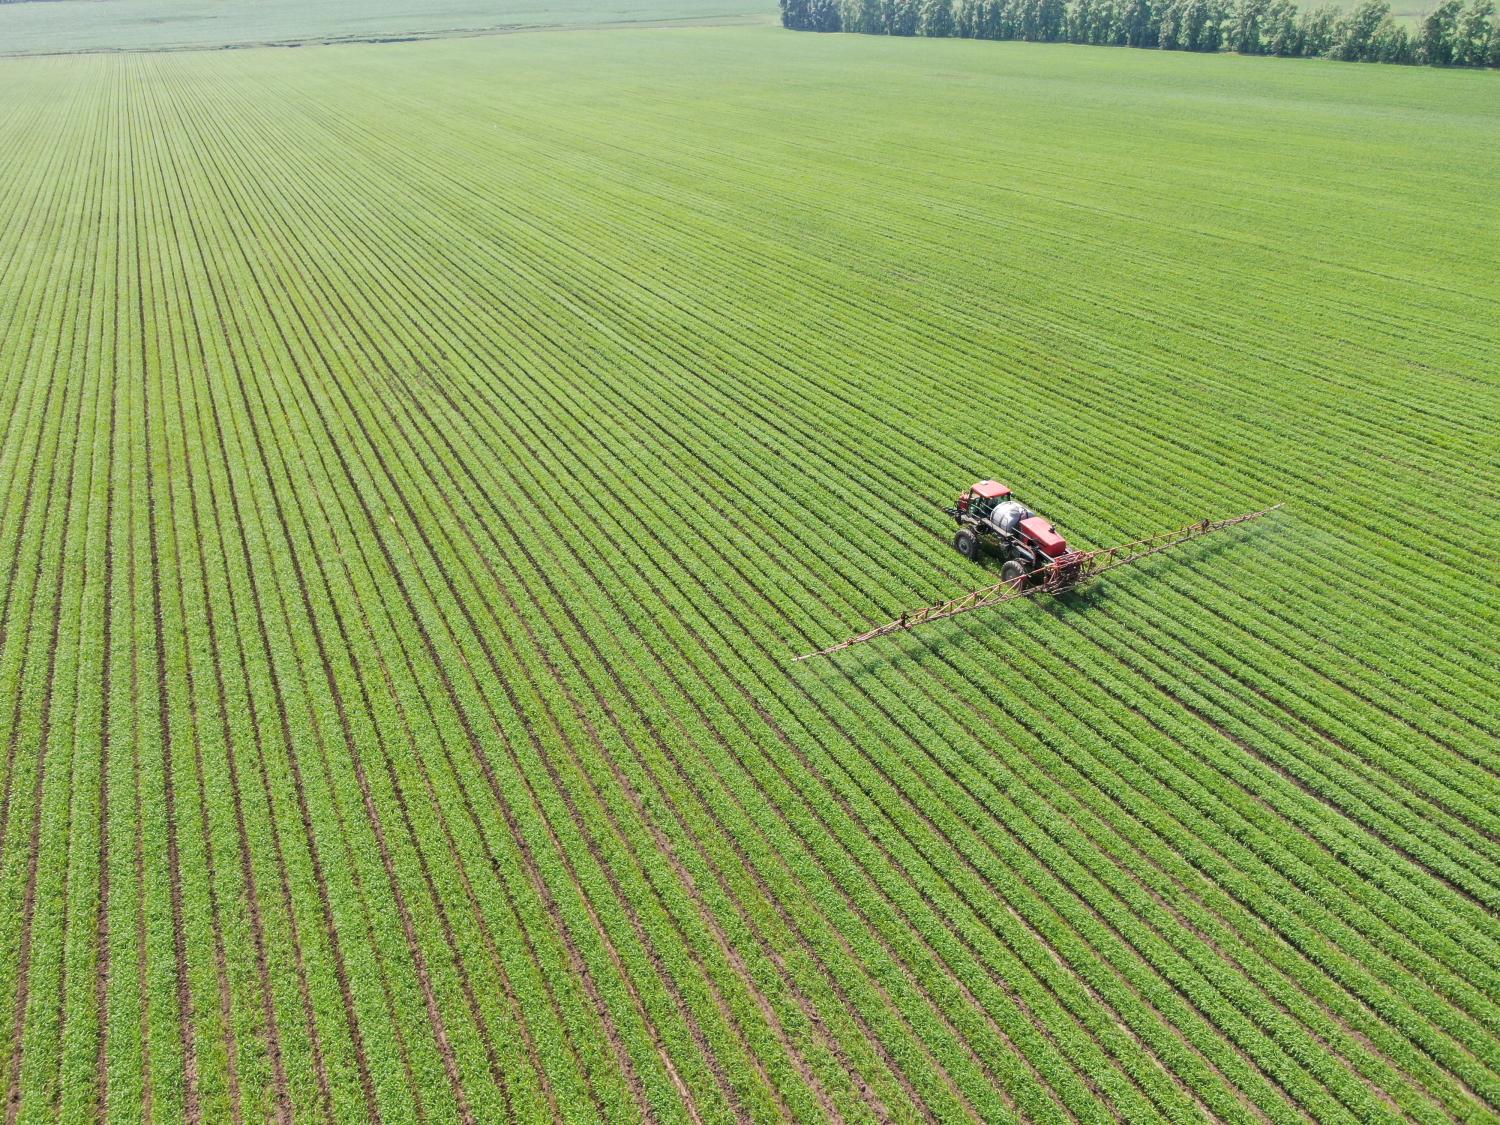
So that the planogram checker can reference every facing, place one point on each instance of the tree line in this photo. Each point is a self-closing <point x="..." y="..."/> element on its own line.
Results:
<point x="1454" y="33"/>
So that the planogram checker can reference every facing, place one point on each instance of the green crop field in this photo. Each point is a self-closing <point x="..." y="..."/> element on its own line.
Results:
<point x="420" y="464"/>
<point x="41" y="27"/>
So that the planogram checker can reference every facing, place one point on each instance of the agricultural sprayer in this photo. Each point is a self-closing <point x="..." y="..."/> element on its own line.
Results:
<point x="1037" y="560"/>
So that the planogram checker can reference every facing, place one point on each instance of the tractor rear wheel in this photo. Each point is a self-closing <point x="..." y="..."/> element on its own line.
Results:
<point x="1014" y="572"/>
<point x="967" y="544"/>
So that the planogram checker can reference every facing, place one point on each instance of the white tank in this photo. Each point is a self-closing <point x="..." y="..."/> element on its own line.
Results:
<point x="1005" y="516"/>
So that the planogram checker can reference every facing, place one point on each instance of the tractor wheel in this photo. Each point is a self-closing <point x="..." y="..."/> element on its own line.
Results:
<point x="1014" y="572"/>
<point x="967" y="544"/>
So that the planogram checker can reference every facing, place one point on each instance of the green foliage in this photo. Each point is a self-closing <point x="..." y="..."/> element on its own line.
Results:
<point x="863" y="17"/>
<point x="1450" y="35"/>
<point x="1438" y="40"/>
<point x="1316" y="31"/>
<point x="1246" y="31"/>
<point x="1475" y="29"/>
<point x="936" y="21"/>
<point x="1190" y="25"/>
<point x="1357" y="35"/>
<point x="1281" y="34"/>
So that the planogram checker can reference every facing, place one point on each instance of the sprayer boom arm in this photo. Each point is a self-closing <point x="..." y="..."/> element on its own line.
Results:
<point x="1065" y="573"/>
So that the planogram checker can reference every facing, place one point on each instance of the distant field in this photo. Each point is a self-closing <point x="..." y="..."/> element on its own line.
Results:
<point x="419" y="464"/>
<point x="49" y="26"/>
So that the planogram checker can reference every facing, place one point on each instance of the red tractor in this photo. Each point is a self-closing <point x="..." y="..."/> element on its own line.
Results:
<point x="992" y="521"/>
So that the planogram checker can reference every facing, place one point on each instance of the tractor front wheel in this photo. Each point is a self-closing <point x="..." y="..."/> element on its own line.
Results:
<point x="1014" y="572"/>
<point x="967" y="544"/>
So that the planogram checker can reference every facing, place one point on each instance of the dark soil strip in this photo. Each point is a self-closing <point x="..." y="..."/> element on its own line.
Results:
<point x="142" y="963"/>
<point x="185" y="1016"/>
<point x="106" y="681"/>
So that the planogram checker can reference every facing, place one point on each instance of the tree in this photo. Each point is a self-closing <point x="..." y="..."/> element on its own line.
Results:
<point x="1393" y="44"/>
<point x="1315" y="30"/>
<point x="986" y="19"/>
<point x="1281" y="35"/>
<point x="1191" y="25"/>
<point x="1247" y="21"/>
<point x="1043" y="21"/>
<point x="1081" y="17"/>
<point x="1354" y="36"/>
<point x="937" y="19"/>
<point x="1472" y="39"/>
<point x="1001" y="19"/>
<point x="1456" y="33"/>
<point x="1206" y="25"/>
<point x="1439" y="30"/>
<point x="1169" y="25"/>
<point x="824" y="15"/>
<point x="900" y="16"/>
<point x="862" y="16"/>
<point x="1139" y="25"/>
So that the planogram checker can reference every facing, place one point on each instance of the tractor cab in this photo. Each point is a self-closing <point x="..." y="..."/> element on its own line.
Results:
<point x="981" y="498"/>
